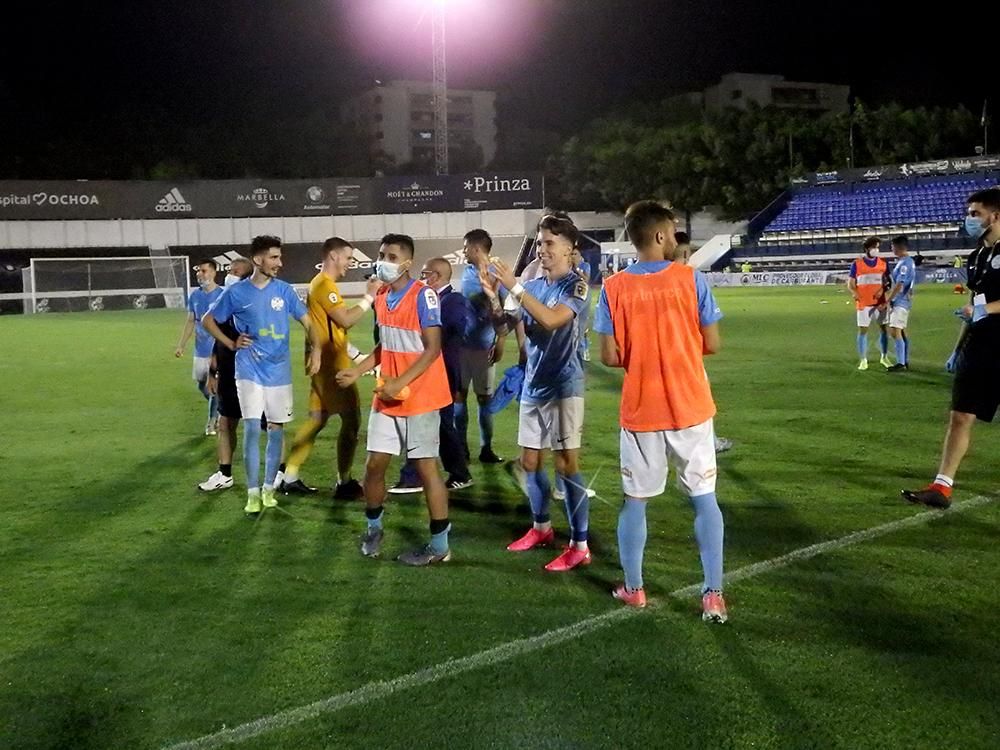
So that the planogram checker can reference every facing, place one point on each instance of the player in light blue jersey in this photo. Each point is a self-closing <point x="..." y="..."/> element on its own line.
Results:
<point x="197" y="305"/>
<point x="900" y="299"/>
<point x="259" y="308"/>
<point x="551" y="413"/>
<point x="482" y="349"/>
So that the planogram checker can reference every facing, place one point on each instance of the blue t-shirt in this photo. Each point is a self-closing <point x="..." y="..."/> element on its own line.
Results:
<point x="198" y="303"/>
<point x="905" y="273"/>
<point x="708" y="309"/>
<point x="263" y="315"/>
<point x="554" y="370"/>
<point x="481" y="335"/>
<point x="428" y="304"/>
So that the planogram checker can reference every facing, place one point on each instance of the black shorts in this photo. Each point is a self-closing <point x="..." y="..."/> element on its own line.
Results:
<point x="976" y="389"/>
<point x="229" y="401"/>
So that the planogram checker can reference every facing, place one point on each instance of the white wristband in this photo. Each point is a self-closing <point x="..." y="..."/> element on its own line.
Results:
<point x="366" y="302"/>
<point x="517" y="290"/>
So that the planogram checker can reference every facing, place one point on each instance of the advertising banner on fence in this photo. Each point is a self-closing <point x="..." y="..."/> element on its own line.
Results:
<point x="47" y="200"/>
<point x="962" y="165"/>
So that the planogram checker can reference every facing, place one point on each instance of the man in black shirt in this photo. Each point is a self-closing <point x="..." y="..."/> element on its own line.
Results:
<point x="976" y="359"/>
<point x="222" y="383"/>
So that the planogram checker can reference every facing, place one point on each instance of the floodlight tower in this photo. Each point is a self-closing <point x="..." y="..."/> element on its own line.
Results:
<point x="439" y="87"/>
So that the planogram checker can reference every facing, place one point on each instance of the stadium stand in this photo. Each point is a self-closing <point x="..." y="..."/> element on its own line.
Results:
<point x="820" y="227"/>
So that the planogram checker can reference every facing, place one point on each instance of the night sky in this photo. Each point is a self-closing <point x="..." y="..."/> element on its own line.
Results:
<point x="68" y="67"/>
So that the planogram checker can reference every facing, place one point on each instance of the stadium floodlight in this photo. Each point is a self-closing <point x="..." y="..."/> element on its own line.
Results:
<point x="439" y="86"/>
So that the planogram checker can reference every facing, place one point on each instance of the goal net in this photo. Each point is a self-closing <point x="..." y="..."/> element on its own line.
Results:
<point x="122" y="283"/>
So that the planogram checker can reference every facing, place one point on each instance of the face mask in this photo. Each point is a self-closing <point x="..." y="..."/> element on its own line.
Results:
<point x="388" y="272"/>
<point x="873" y="252"/>
<point x="973" y="227"/>
<point x="230" y="279"/>
<point x="204" y="282"/>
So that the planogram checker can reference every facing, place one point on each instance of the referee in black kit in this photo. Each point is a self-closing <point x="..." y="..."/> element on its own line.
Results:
<point x="976" y="359"/>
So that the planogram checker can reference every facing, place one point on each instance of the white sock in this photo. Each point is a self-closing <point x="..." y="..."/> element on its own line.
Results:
<point x="291" y="475"/>
<point x="946" y="481"/>
<point x="582" y="546"/>
<point x="542" y="526"/>
<point x="268" y="488"/>
<point x="253" y="491"/>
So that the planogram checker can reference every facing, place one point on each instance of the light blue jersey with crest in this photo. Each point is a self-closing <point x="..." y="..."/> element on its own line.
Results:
<point x="554" y="370"/>
<point x="263" y="315"/>
<point x="905" y="273"/>
<point x="198" y="303"/>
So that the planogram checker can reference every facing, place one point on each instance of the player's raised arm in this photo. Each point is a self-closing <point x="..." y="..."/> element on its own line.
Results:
<point x="548" y="318"/>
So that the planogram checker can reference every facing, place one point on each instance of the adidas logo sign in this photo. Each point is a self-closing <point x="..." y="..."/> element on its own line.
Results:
<point x="360" y="260"/>
<point x="173" y="202"/>
<point x="225" y="262"/>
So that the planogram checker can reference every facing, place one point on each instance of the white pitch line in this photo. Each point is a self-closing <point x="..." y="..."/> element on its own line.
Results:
<point x="452" y="667"/>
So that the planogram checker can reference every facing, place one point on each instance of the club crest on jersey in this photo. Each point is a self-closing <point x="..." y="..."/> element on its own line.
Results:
<point x="580" y="290"/>
<point x="277" y="303"/>
<point x="431" y="298"/>
<point x="334" y="299"/>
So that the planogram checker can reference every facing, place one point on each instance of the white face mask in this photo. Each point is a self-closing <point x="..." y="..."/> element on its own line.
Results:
<point x="388" y="272"/>
<point x="873" y="253"/>
<point x="230" y="279"/>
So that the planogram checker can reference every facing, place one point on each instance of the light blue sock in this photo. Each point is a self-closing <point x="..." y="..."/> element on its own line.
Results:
<point x="203" y="389"/>
<point x="462" y="422"/>
<point x="560" y="484"/>
<point x="906" y="349"/>
<point x="439" y="541"/>
<point x="900" y="350"/>
<point x="213" y="407"/>
<point x="632" y="540"/>
<point x="485" y="427"/>
<point x="883" y="342"/>
<point x="538" y="495"/>
<point x="577" y="507"/>
<point x="709" y="532"/>
<point x="272" y="455"/>
<point x="251" y="452"/>
<point x="374" y="517"/>
<point x="862" y="345"/>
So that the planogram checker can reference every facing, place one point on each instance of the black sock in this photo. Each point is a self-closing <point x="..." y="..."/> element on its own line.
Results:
<point x="281" y="467"/>
<point x="373" y="513"/>
<point x="438" y="526"/>
<point x="226" y="469"/>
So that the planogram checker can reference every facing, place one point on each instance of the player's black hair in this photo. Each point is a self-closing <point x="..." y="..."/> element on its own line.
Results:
<point x="643" y="218"/>
<point x="404" y="241"/>
<point x="208" y="262"/>
<point x="901" y="240"/>
<point x="871" y="242"/>
<point x="682" y="238"/>
<point x="559" y="223"/>
<point x="990" y="198"/>
<point x="262" y="243"/>
<point x="479" y="237"/>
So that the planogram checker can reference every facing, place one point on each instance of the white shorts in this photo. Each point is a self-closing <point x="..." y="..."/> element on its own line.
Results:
<point x="556" y="425"/>
<point x="199" y="371"/>
<point x="645" y="457"/>
<point x="899" y="317"/>
<point x="419" y="436"/>
<point x="869" y="315"/>
<point x="273" y="401"/>
<point x="477" y="370"/>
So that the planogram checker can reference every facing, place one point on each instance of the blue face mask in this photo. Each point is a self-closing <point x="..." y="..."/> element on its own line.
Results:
<point x="973" y="227"/>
